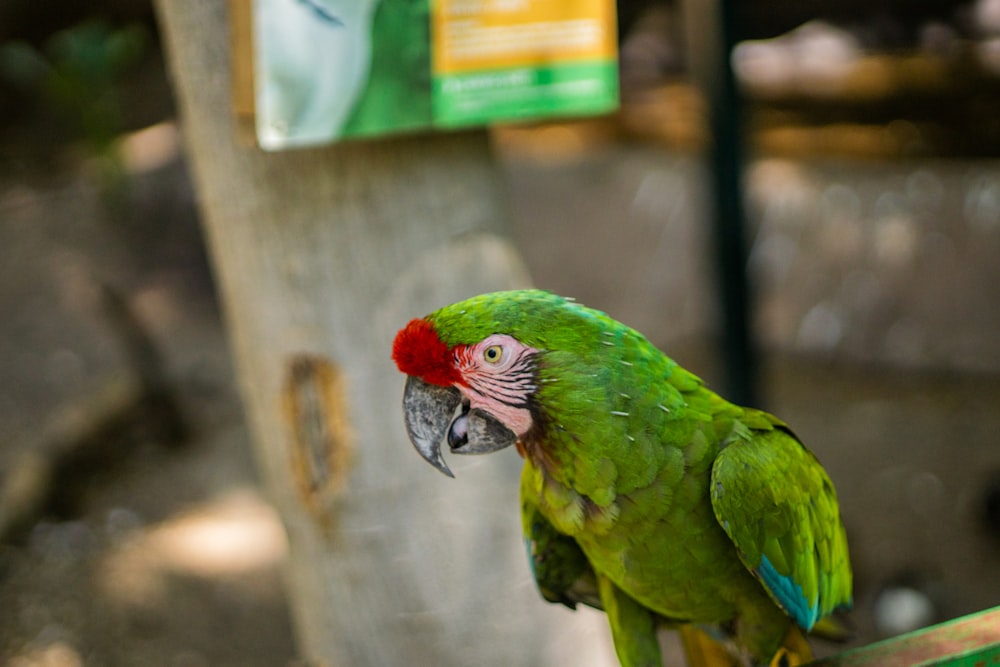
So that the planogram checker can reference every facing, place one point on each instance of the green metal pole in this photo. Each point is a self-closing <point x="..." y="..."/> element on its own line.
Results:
<point x="711" y="34"/>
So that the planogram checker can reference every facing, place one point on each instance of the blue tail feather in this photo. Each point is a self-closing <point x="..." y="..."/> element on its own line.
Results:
<point x="789" y="594"/>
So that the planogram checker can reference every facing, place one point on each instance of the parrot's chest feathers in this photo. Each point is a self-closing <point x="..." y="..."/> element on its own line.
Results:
<point x="573" y="513"/>
<point x="661" y="530"/>
<point x="576" y="481"/>
<point x="652" y="558"/>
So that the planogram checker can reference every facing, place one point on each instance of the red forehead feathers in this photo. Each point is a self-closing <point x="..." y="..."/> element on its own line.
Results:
<point x="419" y="351"/>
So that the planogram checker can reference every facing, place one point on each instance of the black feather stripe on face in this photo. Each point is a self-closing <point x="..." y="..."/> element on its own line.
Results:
<point x="513" y="388"/>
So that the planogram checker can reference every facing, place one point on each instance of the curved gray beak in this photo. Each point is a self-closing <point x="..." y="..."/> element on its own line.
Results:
<point x="432" y="414"/>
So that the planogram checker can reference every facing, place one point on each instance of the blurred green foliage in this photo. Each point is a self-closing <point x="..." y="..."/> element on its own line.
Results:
<point x="76" y="74"/>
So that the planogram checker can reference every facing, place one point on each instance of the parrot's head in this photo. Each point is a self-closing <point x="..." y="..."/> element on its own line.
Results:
<point x="473" y="371"/>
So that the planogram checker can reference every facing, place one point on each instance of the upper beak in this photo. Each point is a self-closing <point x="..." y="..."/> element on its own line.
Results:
<point x="430" y="415"/>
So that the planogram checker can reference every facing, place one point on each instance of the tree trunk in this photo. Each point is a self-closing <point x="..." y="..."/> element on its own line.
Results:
<point x="320" y="256"/>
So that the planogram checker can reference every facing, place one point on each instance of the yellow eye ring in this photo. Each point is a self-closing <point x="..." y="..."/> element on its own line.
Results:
<point x="493" y="354"/>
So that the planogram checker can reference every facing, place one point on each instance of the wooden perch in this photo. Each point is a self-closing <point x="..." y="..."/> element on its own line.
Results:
<point x="971" y="641"/>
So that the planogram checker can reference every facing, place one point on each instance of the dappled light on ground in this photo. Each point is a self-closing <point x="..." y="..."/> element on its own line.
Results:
<point x="233" y="535"/>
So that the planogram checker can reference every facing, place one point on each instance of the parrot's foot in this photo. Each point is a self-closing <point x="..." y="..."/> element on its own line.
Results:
<point x="784" y="659"/>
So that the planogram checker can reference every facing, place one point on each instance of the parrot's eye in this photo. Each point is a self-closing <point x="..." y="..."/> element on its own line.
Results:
<point x="492" y="354"/>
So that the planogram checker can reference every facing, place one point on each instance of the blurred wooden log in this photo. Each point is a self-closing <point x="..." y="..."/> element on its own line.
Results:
<point x="321" y="255"/>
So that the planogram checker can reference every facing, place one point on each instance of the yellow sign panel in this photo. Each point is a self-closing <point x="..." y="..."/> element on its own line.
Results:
<point x="470" y="35"/>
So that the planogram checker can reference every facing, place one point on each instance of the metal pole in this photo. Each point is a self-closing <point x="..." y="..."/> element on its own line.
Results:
<point x="711" y="36"/>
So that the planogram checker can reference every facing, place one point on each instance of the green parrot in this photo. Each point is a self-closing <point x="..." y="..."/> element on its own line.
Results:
<point x="643" y="493"/>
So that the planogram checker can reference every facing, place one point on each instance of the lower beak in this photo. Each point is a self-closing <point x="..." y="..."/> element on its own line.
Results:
<point x="430" y="415"/>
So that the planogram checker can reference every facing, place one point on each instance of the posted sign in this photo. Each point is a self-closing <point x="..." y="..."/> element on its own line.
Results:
<point x="330" y="69"/>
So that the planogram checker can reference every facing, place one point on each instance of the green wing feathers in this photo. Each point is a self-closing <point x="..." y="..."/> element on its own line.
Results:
<point x="779" y="507"/>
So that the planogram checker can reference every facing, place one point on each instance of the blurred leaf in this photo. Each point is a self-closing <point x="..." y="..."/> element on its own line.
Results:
<point x="77" y="75"/>
<point x="95" y="52"/>
<point x="22" y="65"/>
